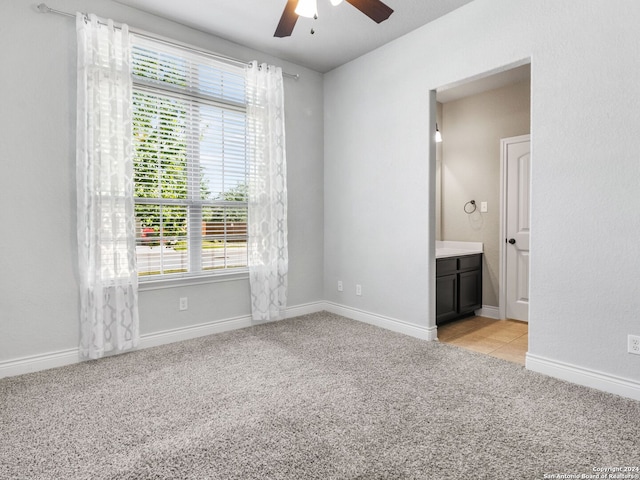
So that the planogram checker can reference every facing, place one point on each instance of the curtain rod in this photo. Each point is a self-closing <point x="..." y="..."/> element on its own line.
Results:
<point x="43" y="8"/>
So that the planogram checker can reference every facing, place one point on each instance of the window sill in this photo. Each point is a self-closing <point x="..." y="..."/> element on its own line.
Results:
<point x="144" y="285"/>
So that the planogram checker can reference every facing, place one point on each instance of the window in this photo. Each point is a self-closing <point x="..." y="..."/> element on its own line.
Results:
<point x="190" y="162"/>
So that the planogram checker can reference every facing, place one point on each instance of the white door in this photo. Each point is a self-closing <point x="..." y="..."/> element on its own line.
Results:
<point x="516" y="153"/>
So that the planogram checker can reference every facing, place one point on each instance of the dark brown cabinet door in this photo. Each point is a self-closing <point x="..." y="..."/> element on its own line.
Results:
<point x="446" y="297"/>
<point x="469" y="291"/>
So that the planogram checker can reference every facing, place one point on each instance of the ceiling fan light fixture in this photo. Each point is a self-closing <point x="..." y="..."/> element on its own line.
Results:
<point x="376" y="10"/>
<point x="335" y="3"/>
<point x="307" y="8"/>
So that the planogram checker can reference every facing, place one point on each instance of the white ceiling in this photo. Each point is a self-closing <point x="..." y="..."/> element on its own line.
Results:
<point x="342" y="33"/>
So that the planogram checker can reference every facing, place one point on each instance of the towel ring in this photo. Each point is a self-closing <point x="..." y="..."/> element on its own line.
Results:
<point x="471" y="209"/>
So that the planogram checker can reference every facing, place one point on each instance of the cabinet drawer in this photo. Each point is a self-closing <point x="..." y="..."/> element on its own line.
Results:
<point x="445" y="266"/>
<point x="469" y="262"/>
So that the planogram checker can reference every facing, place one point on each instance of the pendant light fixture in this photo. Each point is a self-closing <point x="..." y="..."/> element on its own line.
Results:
<point x="438" y="135"/>
<point x="307" y="8"/>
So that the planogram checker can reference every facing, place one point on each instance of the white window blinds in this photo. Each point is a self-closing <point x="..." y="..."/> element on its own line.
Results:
<point x="190" y="161"/>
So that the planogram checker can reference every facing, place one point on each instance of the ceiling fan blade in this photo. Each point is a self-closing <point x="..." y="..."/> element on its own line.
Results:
<point x="374" y="9"/>
<point x="288" y="20"/>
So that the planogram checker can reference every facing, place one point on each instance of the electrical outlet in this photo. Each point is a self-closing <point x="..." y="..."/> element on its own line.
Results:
<point x="358" y="290"/>
<point x="633" y="344"/>
<point x="340" y="286"/>
<point x="183" y="305"/>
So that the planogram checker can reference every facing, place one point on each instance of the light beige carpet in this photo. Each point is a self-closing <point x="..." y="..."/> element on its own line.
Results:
<point x="313" y="397"/>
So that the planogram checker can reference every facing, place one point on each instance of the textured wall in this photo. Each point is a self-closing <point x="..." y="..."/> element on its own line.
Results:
<point x="585" y="294"/>
<point x="38" y="279"/>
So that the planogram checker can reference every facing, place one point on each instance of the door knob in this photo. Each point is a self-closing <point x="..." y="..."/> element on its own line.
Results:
<point x="512" y="241"/>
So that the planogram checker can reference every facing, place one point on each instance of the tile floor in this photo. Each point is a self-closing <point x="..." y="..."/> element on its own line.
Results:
<point x="506" y="339"/>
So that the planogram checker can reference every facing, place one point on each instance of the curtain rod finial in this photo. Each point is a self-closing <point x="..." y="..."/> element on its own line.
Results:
<point x="43" y="8"/>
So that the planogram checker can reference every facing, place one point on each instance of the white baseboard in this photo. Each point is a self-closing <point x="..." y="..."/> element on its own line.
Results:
<point x="193" y="331"/>
<point x="582" y="376"/>
<point x="423" y="333"/>
<point x="35" y="363"/>
<point x="488" y="311"/>
<point x="305" y="309"/>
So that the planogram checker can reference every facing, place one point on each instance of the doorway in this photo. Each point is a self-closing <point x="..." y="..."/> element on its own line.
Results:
<point x="472" y="117"/>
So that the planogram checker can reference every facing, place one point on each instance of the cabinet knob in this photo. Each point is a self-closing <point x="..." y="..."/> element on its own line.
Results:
<point x="512" y="241"/>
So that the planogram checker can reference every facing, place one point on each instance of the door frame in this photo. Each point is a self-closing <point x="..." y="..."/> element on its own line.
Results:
<point x="502" y="276"/>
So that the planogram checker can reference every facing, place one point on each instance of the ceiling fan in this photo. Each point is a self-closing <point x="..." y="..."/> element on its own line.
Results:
<point x="374" y="9"/>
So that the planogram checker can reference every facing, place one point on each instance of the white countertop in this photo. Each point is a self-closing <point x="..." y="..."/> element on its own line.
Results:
<point x="448" y="248"/>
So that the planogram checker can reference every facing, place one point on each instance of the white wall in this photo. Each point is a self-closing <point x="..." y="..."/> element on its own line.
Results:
<point x="38" y="275"/>
<point x="585" y="293"/>
<point x="376" y="215"/>
<point x="473" y="127"/>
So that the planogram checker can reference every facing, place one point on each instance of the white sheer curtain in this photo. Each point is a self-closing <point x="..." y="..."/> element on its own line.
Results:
<point x="268" y="255"/>
<point x="104" y="169"/>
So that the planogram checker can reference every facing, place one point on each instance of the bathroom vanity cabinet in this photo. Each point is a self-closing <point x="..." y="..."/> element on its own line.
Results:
<point x="458" y="286"/>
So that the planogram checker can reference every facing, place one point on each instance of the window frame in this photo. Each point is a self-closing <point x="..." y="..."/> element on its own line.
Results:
<point x="193" y="203"/>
